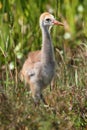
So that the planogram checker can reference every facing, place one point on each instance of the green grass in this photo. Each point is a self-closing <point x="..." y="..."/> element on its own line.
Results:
<point x="20" y="34"/>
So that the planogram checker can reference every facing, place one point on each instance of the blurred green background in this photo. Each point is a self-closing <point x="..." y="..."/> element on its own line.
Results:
<point x="19" y="34"/>
<point x="19" y="25"/>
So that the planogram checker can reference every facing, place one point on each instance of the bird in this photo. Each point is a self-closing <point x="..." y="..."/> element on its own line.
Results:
<point x="39" y="68"/>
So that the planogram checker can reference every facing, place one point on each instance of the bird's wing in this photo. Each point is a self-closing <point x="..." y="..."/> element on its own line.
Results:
<point x="34" y="56"/>
<point x="29" y="65"/>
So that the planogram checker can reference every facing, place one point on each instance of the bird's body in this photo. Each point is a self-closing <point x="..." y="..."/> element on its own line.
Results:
<point x="39" y="68"/>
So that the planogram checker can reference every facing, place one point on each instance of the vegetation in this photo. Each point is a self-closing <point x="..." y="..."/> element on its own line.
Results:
<point x="20" y="34"/>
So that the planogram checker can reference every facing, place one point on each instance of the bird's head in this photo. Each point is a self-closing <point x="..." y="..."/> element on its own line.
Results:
<point x="48" y="20"/>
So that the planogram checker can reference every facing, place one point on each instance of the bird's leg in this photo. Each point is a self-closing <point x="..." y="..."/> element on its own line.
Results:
<point x="36" y="100"/>
<point x="35" y="94"/>
<point x="42" y="98"/>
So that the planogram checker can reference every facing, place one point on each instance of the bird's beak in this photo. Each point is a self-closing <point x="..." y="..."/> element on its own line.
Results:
<point x="58" y="23"/>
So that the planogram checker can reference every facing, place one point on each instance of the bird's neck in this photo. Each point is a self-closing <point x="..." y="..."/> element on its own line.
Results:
<point x="47" y="52"/>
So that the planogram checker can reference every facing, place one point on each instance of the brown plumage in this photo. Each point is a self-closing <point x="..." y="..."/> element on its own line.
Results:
<point x="39" y="68"/>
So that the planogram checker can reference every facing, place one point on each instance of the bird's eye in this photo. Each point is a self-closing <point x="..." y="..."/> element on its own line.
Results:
<point x="48" y="20"/>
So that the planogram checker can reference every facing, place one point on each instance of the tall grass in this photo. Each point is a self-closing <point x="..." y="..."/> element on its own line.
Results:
<point x="20" y="34"/>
